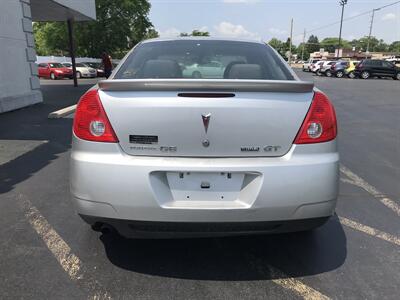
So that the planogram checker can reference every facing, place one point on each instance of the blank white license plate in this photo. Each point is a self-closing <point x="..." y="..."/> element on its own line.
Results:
<point x="204" y="186"/>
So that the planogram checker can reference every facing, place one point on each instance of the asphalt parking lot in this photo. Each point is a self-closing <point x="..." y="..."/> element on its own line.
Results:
<point x="48" y="252"/>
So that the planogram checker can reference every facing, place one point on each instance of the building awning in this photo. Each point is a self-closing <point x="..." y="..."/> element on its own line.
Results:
<point x="62" y="10"/>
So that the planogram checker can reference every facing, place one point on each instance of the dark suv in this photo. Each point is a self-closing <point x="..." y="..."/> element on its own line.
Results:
<point x="380" y="68"/>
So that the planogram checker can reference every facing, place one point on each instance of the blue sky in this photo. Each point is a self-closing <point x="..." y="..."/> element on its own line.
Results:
<point x="264" y="19"/>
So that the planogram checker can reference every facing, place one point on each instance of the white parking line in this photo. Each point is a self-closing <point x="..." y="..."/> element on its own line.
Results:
<point x="370" y="231"/>
<point x="62" y="112"/>
<point x="71" y="263"/>
<point x="289" y="283"/>
<point x="358" y="181"/>
<point x="295" y="285"/>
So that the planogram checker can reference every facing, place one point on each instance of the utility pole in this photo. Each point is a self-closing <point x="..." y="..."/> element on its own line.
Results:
<point x="71" y="49"/>
<point x="304" y="40"/>
<point x="290" y="45"/>
<point x="342" y="4"/>
<point x="370" y="27"/>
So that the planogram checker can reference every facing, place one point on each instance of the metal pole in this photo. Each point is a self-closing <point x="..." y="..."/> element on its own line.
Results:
<point x="290" y="45"/>
<point x="370" y="27"/>
<point x="71" y="49"/>
<point x="342" y="3"/>
<point x="304" y="40"/>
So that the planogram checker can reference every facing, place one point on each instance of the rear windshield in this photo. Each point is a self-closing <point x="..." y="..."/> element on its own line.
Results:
<point x="197" y="59"/>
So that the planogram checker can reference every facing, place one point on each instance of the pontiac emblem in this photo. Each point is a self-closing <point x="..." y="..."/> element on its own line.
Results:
<point x="206" y="120"/>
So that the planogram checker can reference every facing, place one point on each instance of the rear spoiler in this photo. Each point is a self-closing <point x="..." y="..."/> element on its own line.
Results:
<point x="196" y="85"/>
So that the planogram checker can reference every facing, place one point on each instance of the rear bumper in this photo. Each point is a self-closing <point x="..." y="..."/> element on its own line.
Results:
<point x="107" y="183"/>
<point x="146" y="229"/>
<point x="89" y="75"/>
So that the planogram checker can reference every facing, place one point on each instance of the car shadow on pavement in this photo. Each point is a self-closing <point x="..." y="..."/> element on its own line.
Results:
<point x="235" y="258"/>
<point x="31" y="124"/>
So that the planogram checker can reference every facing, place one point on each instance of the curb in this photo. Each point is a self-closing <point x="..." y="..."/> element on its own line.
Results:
<point x="62" y="112"/>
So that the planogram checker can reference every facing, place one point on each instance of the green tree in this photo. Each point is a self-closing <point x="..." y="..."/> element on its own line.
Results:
<point x="277" y="45"/>
<point x="375" y="45"/>
<point x="330" y="44"/>
<point x="51" y="38"/>
<point x="287" y="46"/>
<point x="120" y="25"/>
<point x="313" y="44"/>
<point x="200" y="33"/>
<point x="306" y="54"/>
<point x="195" y="33"/>
<point x="395" y="47"/>
<point x="151" y="34"/>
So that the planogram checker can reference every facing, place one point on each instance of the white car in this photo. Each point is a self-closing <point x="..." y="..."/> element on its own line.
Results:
<point x="394" y="59"/>
<point x="82" y="70"/>
<point x="307" y="65"/>
<point x="316" y="66"/>
<point x="325" y="67"/>
<point x="158" y="154"/>
<point x="212" y="69"/>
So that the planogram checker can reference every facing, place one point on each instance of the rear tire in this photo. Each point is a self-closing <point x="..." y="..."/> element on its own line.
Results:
<point x="365" y="75"/>
<point x="351" y="75"/>
<point x="328" y="73"/>
<point x="339" y="74"/>
<point x="397" y="76"/>
<point x="78" y="75"/>
<point x="53" y="76"/>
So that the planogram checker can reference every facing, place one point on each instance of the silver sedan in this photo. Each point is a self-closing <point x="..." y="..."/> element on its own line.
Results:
<point x="159" y="154"/>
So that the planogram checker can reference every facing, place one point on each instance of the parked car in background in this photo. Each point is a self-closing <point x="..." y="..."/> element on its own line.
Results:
<point x="349" y="71"/>
<point x="307" y="65"/>
<point x="337" y="69"/>
<point x="368" y="68"/>
<point x="192" y="157"/>
<point x="394" y="59"/>
<point x="82" y="70"/>
<point x="212" y="69"/>
<point x="316" y="66"/>
<point x="325" y="67"/>
<point x="97" y="66"/>
<point x="53" y="70"/>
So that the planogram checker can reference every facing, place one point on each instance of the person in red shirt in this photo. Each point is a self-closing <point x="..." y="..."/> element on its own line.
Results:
<point x="106" y="59"/>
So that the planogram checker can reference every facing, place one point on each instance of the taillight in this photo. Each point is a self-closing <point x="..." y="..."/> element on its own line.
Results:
<point x="91" y="122"/>
<point x="320" y="123"/>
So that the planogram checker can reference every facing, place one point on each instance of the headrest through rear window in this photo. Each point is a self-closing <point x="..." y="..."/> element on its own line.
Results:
<point x="161" y="68"/>
<point x="245" y="71"/>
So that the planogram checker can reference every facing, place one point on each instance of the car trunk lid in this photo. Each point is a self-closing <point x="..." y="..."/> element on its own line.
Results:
<point x="205" y="118"/>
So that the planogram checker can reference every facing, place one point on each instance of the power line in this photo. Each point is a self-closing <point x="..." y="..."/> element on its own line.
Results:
<point x="351" y="18"/>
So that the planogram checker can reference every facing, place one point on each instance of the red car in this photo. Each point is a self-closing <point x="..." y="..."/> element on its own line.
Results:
<point x="54" y="71"/>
